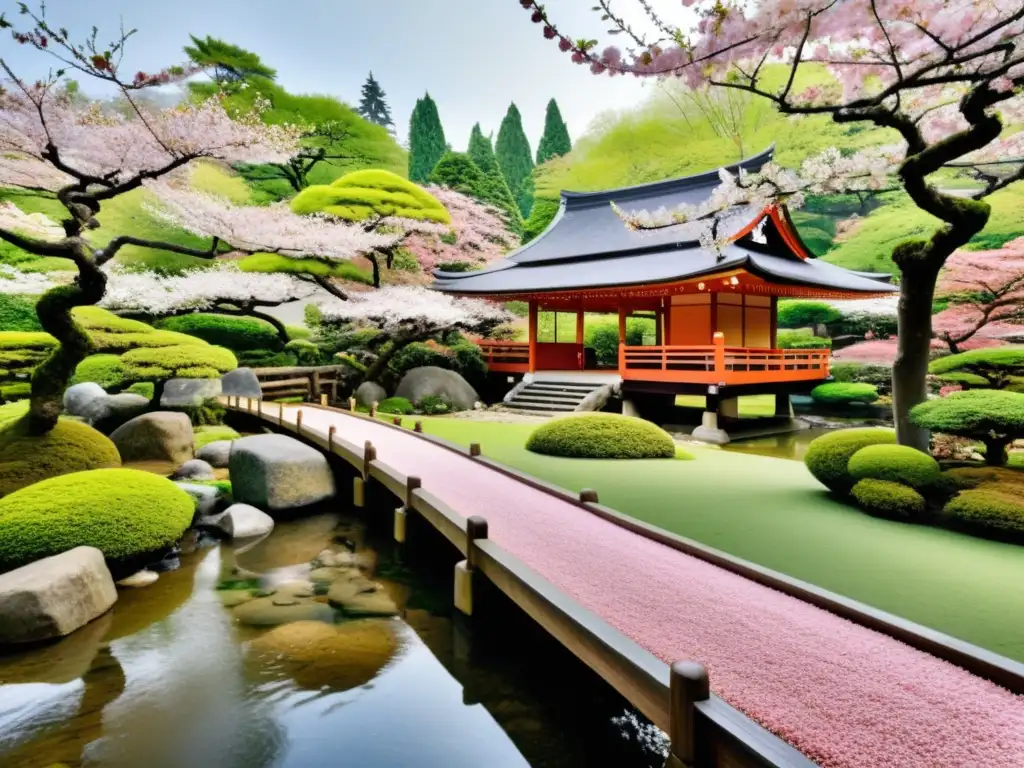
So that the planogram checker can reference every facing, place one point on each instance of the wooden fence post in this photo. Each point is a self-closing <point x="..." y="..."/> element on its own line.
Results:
<point x="314" y="386"/>
<point x="280" y="414"/>
<point x="402" y="512"/>
<point x="373" y="409"/>
<point x="298" y="422"/>
<point x="589" y="494"/>
<point x="323" y="399"/>
<point x="352" y="404"/>
<point x="330" y="438"/>
<point x="259" y="408"/>
<point x="418" y="427"/>
<point x="359" y="484"/>
<point x="474" y="449"/>
<point x="476" y="529"/>
<point x="688" y="685"/>
<point x="248" y="404"/>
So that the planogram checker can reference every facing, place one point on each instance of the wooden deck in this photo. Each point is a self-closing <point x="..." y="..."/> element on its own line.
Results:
<point x="713" y="364"/>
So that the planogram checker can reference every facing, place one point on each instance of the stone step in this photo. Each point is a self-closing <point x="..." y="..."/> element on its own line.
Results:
<point x="540" y="407"/>
<point x="565" y="405"/>
<point x="560" y="386"/>
<point x="568" y="396"/>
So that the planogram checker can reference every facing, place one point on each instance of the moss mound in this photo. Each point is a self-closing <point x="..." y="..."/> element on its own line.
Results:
<point x="106" y="370"/>
<point x="361" y="194"/>
<point x="602" y="436"/>
<point x="124" y="513"/>
<point x="829" y="455"/>
<point x="235" y="333"/>
<point x="995" y="511"/>
<point x="887" y="499"/>
<point x="844" y="393"/>
<point x="895" y="463"/>
<point x="186" y="362"/>
<point x="69" y="447"/>
<point x="396" y="405"/>
<point x="213" y="434"/>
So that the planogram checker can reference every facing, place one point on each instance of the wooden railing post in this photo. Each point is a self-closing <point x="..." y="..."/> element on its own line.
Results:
<point x="314" y="386"/>
<point x="402" y="512"/>
<point x="323" y="399"/>
<point x="298" y="422"/>
<point x="280" y="414"/>
<point x="476" y="529"/>
<point x="259" y="408"/>
<point x="688" y="685"/>
<point x="330" y="438"/>
<point x="719" y="340"/>
<point x="361" y="481"/>
<point x="352" y="405"/>
<point x="588" y="495"/>
<point x="474" y="449"/>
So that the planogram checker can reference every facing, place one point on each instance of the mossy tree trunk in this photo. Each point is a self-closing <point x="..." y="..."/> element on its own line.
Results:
<point x="995" y="450"/>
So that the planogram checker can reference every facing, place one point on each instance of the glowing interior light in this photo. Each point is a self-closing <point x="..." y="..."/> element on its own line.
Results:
<point x="700" y="286"/>
<point x="735" y="280"/>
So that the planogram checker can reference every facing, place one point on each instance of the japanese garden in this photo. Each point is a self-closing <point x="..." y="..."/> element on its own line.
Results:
<point x="394" y="408"/>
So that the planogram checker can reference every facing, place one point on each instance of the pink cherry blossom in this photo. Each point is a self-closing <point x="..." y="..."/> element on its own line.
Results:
<point x="395" y="307"/>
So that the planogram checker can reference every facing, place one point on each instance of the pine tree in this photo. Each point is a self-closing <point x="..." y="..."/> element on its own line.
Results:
<point x="374" y="106"/>
<point x="426" y="140"/>
<point x="555" y="142"/>
<point x="516" y="159"/>
<point x="481" y="150"/>
<point x="230" y="63"/>
<point x="458" y="171"/>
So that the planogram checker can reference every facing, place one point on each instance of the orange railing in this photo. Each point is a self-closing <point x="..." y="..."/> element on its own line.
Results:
<point x="506" y="356"/>
<point x="721" y="365"/>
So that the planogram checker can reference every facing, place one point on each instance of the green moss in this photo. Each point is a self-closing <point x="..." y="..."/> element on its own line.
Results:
<point x="306" y="352"/>
<point x="296" y="332"/>
<point x="143" y="388"/>
<point x="115" y="343"/>
<point x="106" y="370"/>
<point x="989" y="511"/>
<point x="997" y="366"/>
<point x="968" y="478"/>
<point x="185" y="362"/>
<point x="843" y="393"/>
<point x="69" y="447"/>
<point x="602" y="436"/>
<point x="361" y="194"/>
<point x="895" y="463"/>
<point x="801" y="338"/>
<point x="887" y="499"/>
<point x="213" y="434"/>
<point x="122" y="512"/>
<point x="235" y="333"/>
<point x="17" y="390"/>
<point x="18" y="313"/>
<point x="271" y="262"/>
<point x="98" y="319"/>
<point x="396" y="405"/>
<point x="996" y="417"/>
<point x="828" y="456"/>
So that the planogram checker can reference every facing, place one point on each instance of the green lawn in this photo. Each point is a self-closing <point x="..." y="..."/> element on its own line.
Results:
<point x="750" y="406"/>
<point x="772" y="512"/>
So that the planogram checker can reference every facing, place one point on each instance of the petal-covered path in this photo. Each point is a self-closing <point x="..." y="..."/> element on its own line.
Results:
<point x="842" y="694"/>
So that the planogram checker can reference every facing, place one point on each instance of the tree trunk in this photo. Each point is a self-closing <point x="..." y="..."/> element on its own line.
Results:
<point x="282" y="331"/>
<point x="995" y="451"/>
<point x="50" y="379"/>
<point x="910" y="371"/>
<point x="158" y="393"/>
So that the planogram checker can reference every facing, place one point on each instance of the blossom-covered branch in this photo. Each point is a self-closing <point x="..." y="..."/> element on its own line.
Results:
<point x="13" y="281"/>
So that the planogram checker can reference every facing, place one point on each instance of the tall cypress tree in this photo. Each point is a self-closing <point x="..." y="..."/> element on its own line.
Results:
<point x="481" y="151"/>
<point x="426" y="140"/>
<point x="555" y="142"/>
<point x="374" y="106"/>
<point x="515" y="158"/>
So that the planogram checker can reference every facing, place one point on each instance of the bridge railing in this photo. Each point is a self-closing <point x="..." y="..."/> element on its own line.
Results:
<point x="307" y="382"/>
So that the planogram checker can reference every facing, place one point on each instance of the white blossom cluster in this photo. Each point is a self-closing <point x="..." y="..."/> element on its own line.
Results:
<point x="394" y="307"/>
<point x="37" y="225"/>
<point x="14" y="281"/>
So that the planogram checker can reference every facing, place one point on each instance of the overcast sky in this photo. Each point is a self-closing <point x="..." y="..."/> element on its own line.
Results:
<point x="473" y="56"/>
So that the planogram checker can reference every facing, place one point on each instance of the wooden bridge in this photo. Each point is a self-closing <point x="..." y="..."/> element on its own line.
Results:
<point x="846" y="685"/>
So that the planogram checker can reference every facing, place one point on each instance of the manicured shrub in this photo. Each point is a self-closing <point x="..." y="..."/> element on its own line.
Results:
<point x="272" y="262"/>
<point x="968" y="478"/>
<point x="888" y="499"/>
<point x="143" y="388"/>
<point x="864" y="373"/>
<point x="420" y="354"/>
<point x="828" y="456"/>
<point x="603" y="338"/>
<point x="397" y="405"/>
<point x="998" y="366"/>
<point x="993" y="417"/>
<point x="801" y="314"/>
<point x="266" y="358"/>
<point x="18" y="313"/>
<point x="106" y="370"/>
<point x="357" y="196"/>
<point x="296" y="332"/>
<point x="602" y="436"/>
<point x="801" y="339"/>
<point x="880" y="326"/>
<point x="235" y="333"/>
<point x="124" y="513"/>
<point x="306" y="352"/>
<point x="895" y="463"/>
<point x="187" y="362"/>
<point x="69" y="447"/>
<point x="212" y="434"/>
<point x="997" y="512"/>
<point x="433" y="405"/>
<point x="21" y="351"/>
<point x="117" y="343"/>
<point x="842" y="393"/>
<point x="17" y="390"/>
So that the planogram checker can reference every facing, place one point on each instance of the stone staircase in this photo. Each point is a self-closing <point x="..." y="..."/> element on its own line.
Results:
<point x="552" y="396"/>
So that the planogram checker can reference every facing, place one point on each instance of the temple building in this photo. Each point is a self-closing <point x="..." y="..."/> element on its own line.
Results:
<point x="714" y="313"/>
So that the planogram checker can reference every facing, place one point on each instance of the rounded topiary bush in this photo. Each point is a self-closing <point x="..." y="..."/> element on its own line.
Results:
<point x="895" y="463"/>
<point x="602" y="436"/>
<point x="69" y="447"/>
<point x="992" y="511"/>
<point x="306" y="352"/>
<point x="186" y="362"/>
<point x="106" y="370"/>
<point x="235" y="333"/>
<point x="888" y="499"/>
<point x="828" y="456"/>
<point x="397" y="405"/>
<point x="844" y="393"/>
<point x="124" y="513"/>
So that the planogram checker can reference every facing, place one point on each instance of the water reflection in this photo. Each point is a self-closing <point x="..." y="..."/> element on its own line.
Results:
<point x="792" y="445"/>
<point x="170" y="679"/>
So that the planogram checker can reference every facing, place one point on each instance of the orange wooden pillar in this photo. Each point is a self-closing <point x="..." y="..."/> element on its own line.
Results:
<point x="622" y="338"/>
<point x="719" y="342"/>
<point x="774" y="343"/>
<point x="533" y="335"/>
<point x="580" y="354"/>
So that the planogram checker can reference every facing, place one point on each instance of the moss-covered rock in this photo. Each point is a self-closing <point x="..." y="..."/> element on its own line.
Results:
<point x="122" y="512"/>
<point x="844" y="393"/>
<point x="828" y="456"/>
<point x="887" y="499"/>
<point x="989" y="510"/>
<point x="602" y="436"/>
<point x="106" y="370"/>
<point x="895" y="463"/>
<point x="69" y="447"/>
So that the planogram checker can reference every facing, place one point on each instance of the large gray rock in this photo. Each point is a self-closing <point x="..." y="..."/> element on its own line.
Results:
<point x="216" y="453"/>
<point x="193" y="469"/>
<point x="108" y="413"/>
<point x="276" y="472"/>
<point x="158" y="436"/>
<point x="206" y="497"/>
<point x="370" y="392"/>
<point x="429" y="380"/>
<point x="241" y="382"/>
<point x="54" y="596"/>
<point x="78" y="397"/>
<point x="240" y="521"/>
<point x="183" y="393"/>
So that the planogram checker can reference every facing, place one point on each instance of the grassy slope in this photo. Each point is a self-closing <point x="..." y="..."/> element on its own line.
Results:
<point x="772" y="512"/>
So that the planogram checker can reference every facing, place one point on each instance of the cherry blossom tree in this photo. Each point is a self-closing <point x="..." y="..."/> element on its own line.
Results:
<point x="224" y="289"/>
<point x="92" y="155"/>
<point x="406" y="314"/>
<point x="986" y="290"/>
<point x="944" y="75"/>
